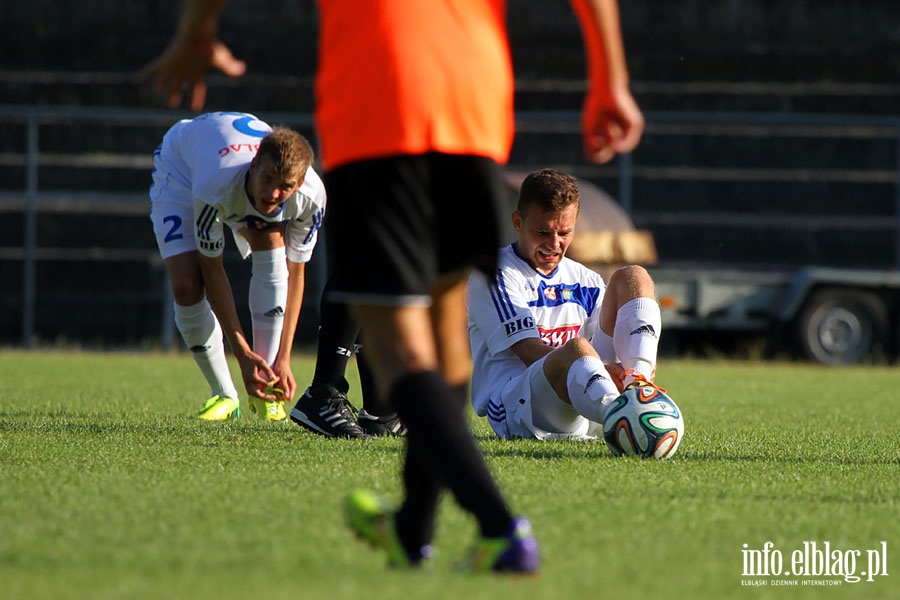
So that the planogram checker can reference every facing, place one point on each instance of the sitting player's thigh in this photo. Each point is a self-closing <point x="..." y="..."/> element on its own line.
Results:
<point x="532" y="408"/>
<point x="548" y="411"/>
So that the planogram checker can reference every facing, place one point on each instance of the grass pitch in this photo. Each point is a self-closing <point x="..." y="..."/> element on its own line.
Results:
<point x="108" y="489"/>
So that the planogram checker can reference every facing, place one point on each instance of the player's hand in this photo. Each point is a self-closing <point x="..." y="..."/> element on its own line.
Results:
<point x="184" y="64"/>
<point x="286" y="381"/>
<point x="611" y="124"/>
<point x="257" y="375"/>
<point x="616" y="371"/>
<point x="617" y="374"/>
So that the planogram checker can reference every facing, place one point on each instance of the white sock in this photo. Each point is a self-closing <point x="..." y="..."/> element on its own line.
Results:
<point x="636" y="335"/>
<point x="267" y="300"/>
<point x="590" y="388"/>
<point x="605" y="347"/>
<point x="203" y="335"/>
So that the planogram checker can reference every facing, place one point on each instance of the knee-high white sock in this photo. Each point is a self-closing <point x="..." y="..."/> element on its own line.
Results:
<point x="636" y="335"/>
<point x="605" y="347"/>
<point x="590" y="387"/>
<point x="203" y="335"/>
<point x="267" y="300"/>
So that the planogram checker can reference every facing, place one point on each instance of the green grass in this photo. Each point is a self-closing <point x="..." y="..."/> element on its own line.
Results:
<point x="108" y="489"/>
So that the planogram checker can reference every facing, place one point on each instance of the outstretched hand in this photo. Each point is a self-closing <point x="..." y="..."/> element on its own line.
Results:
<point x="184" y="64"/>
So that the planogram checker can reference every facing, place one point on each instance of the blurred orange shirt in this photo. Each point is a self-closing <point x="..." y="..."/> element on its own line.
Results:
<point x="413" y="76"/>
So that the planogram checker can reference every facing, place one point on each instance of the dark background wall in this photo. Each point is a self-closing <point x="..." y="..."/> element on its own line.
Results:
<point x="679" y="41"/>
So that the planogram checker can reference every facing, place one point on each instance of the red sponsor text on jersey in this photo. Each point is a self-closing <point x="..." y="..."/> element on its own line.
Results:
<point x="238" y="148"/>
<point x="558" y="336"/>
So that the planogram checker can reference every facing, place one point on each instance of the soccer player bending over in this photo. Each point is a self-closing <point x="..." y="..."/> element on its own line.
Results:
<point x="553" y="344"/>
<point x="231" y="168"/>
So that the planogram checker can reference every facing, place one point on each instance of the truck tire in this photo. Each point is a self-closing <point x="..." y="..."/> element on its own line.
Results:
<point x="842" y="327"/>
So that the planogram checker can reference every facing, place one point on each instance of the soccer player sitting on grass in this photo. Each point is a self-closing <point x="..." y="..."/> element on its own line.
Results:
<point x="231" y="168"/>
<point x="552" y="343"/>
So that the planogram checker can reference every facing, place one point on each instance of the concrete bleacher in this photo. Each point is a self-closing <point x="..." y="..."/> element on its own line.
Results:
<point x="737" y="194"/>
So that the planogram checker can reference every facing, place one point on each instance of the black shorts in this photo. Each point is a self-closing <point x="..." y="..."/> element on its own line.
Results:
<point x="393" y="225"/>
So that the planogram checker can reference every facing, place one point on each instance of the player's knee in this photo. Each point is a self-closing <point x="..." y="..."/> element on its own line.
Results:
<point x="576" y="348"/>
<point x="269" y="238"/>
<point x="187" y="291"/>
<point x="632" y="281"/>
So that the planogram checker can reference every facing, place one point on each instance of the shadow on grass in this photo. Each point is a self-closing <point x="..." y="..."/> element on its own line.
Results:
<point x="105" y="424"/>
<point x="801" y="460"/>
<point x="563" y="449"/>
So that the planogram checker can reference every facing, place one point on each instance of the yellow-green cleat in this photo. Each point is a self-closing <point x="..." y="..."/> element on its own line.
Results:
<point x="220" y="408"/>
<point x="267" y="410"/>
<point x="372" y="520"/>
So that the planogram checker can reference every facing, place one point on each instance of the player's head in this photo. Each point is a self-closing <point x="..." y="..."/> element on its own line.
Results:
<point x="550" y="190"/>
<point x="288" y="151"/>
<point x="545" y="218"/>
<point x="278" y="169"/>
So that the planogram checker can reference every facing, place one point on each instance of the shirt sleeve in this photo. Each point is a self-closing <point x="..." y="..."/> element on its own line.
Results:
<point x="208" y="229"/>
<point x="500" y="310"/>
<point x="302" y="233"/>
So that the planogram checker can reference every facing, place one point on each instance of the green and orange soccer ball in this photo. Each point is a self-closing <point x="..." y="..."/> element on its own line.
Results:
<point x="644" y="422"/>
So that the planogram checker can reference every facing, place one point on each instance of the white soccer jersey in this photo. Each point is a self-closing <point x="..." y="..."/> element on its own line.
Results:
<point x="205" y="160"/>
<point x="522" y="303"/>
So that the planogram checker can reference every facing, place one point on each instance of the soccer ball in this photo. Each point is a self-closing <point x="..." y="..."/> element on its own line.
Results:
<point x="643" y="422"/>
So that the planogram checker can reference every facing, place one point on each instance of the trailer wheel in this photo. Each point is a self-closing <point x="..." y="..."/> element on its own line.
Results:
<point x="841" y="327"/>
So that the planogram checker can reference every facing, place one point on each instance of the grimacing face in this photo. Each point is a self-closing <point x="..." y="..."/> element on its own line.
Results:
<point x="267" y="189"/>
<point x="544" y="236"/>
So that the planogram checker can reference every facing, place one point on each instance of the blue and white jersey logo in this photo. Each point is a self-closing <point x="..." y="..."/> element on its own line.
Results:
<point x="556" y="294"/>
<point x="245" y="124"/>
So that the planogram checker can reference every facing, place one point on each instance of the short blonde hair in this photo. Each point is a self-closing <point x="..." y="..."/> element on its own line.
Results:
<point x="290" y="153"/>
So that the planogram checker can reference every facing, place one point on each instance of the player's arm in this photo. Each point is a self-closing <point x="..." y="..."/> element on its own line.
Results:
<point x="218" y="291"/>
<point x="194" y="49"/>
<point x="503" y="318"/>
<point x="530" y="350"/>
<point x="300" y="237"/>
<point x="255" y="373"/>
<point x="282" y="363"/>
<point x="611" y="121"/>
